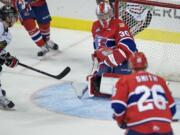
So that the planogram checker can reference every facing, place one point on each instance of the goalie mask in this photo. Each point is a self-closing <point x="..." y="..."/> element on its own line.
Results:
<point x="9" y="15"/>
<point x="104" y="14"/>
<point x="138" y="61"/>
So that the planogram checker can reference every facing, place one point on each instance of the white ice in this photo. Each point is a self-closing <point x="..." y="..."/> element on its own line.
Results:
<point x="20" y="84"/>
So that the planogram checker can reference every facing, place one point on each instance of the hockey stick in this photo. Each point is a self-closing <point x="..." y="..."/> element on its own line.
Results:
<point x="59" y="76"/>
<point x="175" y="120"/>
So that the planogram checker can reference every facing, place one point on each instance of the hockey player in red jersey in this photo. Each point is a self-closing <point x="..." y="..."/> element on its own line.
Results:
<point x="8" y="16"/>
<point x="113" y="44"/>
<point x="35" y="17"/>
<point x="142" y="102"/>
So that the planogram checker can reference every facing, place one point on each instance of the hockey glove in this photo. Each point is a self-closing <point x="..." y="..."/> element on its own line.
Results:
<point x="3" y="57"/>
<point x="123" y="125"/>
<point x="102" y="53"/>
<point x="115" y="58"/>
<point x="11" y="61"/>
<point x="2" y="61"/>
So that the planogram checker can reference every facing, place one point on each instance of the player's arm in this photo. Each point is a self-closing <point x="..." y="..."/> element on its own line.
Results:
<point x="124" y="39"/>
<point x="7" y="59"/>
<point x="93" y="29"/>
<point x="170" y="99"/>
<point x="124" y="48"/>
<point x="97" y="40"/>
<point x="118" y="102"/>
<point x="3" y="39"/>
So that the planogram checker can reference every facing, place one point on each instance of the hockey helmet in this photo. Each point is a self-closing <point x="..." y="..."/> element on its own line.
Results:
<point x="138" y="61"/>
<point x="8" y="14"/>
<point x="104" y="13"/>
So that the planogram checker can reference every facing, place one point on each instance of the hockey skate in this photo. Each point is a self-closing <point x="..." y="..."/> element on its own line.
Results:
<point x="44" y="50"/>
<point x="5" y="103"/>
<point x="52" y="45"/>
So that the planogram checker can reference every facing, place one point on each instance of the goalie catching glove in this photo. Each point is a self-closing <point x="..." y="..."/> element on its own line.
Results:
<point x="111" y="57"/>
<point x="9" y="60"/>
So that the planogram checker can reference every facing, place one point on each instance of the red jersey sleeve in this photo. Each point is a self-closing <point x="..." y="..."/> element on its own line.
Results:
<point x="119" y="100"/>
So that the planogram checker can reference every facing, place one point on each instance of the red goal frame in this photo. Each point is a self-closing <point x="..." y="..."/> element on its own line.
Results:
<point x="147" y="2"/>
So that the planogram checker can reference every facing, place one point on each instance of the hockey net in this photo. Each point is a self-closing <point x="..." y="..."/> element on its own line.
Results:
<point x="156" y="27"/>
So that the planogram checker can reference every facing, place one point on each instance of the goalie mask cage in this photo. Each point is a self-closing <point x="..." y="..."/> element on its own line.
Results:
<point x="156" y="27"/>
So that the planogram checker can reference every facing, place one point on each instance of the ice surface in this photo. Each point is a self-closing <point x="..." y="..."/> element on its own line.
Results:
<point x="21" y="84"/>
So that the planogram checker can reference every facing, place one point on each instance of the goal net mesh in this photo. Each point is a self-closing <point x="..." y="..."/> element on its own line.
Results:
<point x="156" y="27"/>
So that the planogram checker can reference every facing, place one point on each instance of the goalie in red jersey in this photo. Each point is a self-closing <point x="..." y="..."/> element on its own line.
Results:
<point x="142" y="102"/>
<point x="113" y="44"/>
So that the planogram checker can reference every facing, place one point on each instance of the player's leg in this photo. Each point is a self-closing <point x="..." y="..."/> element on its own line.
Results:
<point x="45" y="31"/>
<point x="94" y="80"/>
<point x="93" y="84"/>
<point x="2" y="92"/>
<point x="35" y="34"/>
<point x="43" y="19"/>
<point x="4" y="102"/>
<point x="103" y="82"/>
<point x="27" y="19"/>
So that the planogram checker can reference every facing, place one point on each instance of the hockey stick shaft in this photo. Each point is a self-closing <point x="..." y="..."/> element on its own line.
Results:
<point x="59" y="76"/>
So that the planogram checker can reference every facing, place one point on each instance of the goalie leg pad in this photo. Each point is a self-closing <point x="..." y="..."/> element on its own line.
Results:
<point x="108" y="82"/>
<point x="94" y="84"/>
<point x="90" y="85"/>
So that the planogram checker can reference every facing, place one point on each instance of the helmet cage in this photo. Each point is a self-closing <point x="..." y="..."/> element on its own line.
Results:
<point x="104" y="13"/>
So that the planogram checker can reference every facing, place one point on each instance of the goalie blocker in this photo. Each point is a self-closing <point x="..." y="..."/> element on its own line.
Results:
<point x="102" y="85"/>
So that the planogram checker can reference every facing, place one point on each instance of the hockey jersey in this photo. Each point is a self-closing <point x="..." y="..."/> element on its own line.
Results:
<point x="31" y="2"/>
<point x="117" y="34"/>
<point x="5" y="36"/>
<point x="144" y="102"/>
<point x="37" y="3"/>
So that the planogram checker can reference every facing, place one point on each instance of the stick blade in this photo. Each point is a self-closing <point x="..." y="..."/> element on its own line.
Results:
<point x="63" y="73"/>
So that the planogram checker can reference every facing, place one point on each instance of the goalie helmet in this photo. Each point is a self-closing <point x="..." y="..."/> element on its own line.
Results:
<point x="8" y="14"/>
<point x="138" y="61"/>
<point x="104" y="13"/>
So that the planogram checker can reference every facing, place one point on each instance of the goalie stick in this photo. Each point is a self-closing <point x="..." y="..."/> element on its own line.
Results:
<point x="84" y="90"/>
<point x="59" y="76"/>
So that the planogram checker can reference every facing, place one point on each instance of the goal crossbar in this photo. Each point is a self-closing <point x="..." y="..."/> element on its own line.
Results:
<point x="159" y="3"/>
